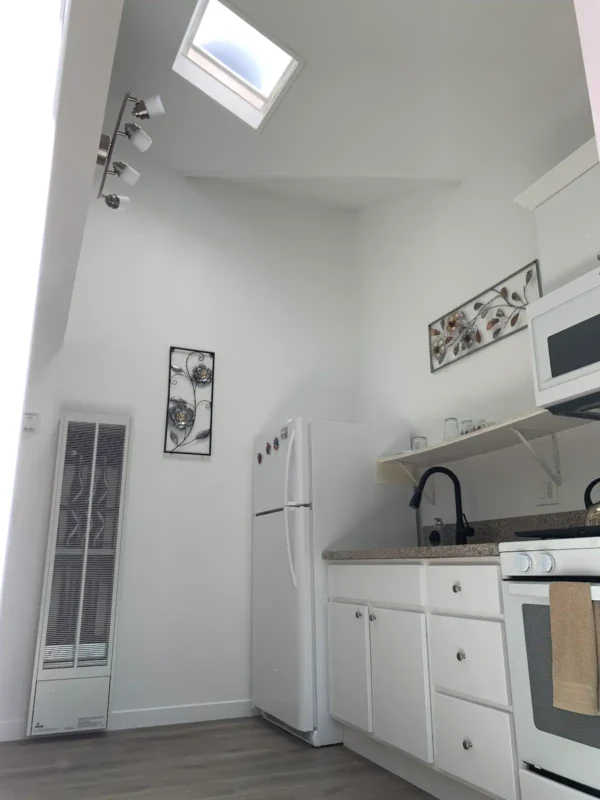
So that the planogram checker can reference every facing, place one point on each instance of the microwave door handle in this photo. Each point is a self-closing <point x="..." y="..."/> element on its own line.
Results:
<point x="288" y="462"/>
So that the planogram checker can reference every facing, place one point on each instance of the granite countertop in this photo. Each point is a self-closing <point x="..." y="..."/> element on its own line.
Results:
<point x="474" y="550"/>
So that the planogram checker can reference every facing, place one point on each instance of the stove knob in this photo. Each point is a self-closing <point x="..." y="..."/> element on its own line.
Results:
<point x="523" y="562"/>
<point x="545" y="562"/>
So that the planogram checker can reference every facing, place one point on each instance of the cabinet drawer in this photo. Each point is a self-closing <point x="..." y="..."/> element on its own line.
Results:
<point x="534" y="787"/>
<point x="473" y="590"/>
<point x="475" y="744"/>
<point x="468" y="656"/>
<point x="377" y="583"/>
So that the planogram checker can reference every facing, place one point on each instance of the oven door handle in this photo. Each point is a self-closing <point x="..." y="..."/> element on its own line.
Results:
<point x="543" y="590"/>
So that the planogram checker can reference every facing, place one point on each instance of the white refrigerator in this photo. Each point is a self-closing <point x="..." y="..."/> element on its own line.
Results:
<point x="314" y="484"/>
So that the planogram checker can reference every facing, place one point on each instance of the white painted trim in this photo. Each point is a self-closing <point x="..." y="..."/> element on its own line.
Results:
<point x="12" y="729"/>
<point x="424" y="776"/>
<point x="177" y="715"/>
<point x="574" y="166"/>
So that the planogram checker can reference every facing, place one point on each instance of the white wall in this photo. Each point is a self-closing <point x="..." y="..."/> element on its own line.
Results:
<point x="422" y="257"/>
<point x="270" y="287"/>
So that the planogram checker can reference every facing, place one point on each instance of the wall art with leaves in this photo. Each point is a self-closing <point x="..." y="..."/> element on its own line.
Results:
<point x="188" y="426"/>
<point x="485" y="319"/>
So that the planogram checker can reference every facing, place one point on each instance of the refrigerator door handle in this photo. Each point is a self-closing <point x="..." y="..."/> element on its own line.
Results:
<point x="286" y="511"/>
<point x="288" y="463"/>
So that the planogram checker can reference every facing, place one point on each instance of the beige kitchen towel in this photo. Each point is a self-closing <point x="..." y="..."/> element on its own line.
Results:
<point x="575" y="629"/>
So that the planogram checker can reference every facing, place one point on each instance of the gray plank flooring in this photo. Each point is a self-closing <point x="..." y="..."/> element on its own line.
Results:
<point x="234" y="760"/>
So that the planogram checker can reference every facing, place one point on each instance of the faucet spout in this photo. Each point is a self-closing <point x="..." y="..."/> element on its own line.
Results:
<point x="463" y="529"/>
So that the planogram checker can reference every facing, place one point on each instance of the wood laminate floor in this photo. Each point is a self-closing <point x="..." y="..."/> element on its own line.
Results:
<point x="234" y="760"/>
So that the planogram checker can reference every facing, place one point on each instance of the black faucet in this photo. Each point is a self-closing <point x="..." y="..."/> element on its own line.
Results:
<point x="463" y="529"/>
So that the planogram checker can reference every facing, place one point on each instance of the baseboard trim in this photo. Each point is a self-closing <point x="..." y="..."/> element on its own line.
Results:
<point x="13" y="729"/>
<point x="424" y="777"/>
<point x="178" y="715"/>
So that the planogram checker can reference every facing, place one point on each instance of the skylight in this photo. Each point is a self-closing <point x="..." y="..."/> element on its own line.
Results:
<point x="234" y="63"/>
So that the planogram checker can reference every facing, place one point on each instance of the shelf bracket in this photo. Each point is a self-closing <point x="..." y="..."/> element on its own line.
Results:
<point x="551" y="470"/>
<point x="415" y="482"/>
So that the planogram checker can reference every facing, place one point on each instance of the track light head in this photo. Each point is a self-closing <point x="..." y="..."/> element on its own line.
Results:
<point x="126" y="173"/>
<point x="138" y="137"/>
<point x="116" y="200"/>
<point x="150" y="107"/>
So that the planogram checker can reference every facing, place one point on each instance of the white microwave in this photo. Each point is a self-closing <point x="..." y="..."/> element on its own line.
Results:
<point x="564" y="333"/>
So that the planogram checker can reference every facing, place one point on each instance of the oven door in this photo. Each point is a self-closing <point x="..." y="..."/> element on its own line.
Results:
<point x="559" y="741"/>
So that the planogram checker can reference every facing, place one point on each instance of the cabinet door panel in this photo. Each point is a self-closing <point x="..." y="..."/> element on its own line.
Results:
<point x="401" y="701"/>
<point x="350" y="665"/>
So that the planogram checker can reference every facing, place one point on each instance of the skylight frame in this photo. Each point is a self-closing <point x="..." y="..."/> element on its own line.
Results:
<point x="201" y="69"/>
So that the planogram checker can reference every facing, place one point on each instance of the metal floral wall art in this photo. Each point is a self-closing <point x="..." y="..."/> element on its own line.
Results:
<point x="188" y="428"/>
<point x="490" y="316"/>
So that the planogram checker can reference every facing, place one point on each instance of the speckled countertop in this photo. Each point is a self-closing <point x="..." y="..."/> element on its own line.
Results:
<point x="475" y="550"/>
<point x="488" y="535"/>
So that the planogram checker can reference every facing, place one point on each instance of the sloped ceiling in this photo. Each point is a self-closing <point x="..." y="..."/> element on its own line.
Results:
<point x="393" y="91"/>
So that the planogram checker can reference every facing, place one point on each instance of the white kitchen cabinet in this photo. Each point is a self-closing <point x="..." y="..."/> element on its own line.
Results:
<point x="350" y="665"/>
<point x="390" y="626"/>
<point x="567" y="230"/>
<point x="401" y="705"/>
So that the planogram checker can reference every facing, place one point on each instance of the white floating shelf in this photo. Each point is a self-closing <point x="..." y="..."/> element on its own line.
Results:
<point x="537" y="424"/>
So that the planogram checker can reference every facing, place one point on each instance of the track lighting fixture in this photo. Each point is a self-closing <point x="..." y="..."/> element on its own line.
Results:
<point x="137" y="137"/>
<point x="142" y="109"/>
<point x="150" y="107"/>
<point x="116" y="200"/>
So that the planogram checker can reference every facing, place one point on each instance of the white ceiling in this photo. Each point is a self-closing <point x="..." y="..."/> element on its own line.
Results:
<point x="393" y="92"/>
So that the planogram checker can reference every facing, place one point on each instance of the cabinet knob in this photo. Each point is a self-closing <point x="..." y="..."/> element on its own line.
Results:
<point x="372" y="617"/>
<point x="467" y="744"/>
<point x="358" y="614"/>
<point x="456" y="587"/>
<point x="461" y="655"/>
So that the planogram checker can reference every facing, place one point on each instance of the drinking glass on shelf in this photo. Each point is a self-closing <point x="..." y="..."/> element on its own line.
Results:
<point x="467" y="426"/>
<point x="480" y="424"/>
<point x="450" y="428"/>
<point x="418" y="443"/>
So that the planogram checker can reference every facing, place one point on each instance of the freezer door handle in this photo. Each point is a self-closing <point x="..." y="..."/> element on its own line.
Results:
<point x="286" y="512"/>
<point x="288" y="463"/>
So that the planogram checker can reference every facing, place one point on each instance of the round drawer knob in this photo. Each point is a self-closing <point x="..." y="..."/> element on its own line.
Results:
<point x="467" y="744"/>
<point x="372" y="617"/>
<point x="358" y="614"/>
<point x="456" y="587"/>
<point x="461" y="655"/>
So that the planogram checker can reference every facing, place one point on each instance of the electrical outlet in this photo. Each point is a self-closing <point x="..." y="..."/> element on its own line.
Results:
<point x="547" y="494"/>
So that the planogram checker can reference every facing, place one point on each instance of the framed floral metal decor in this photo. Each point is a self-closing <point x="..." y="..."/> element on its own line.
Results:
<point x="188" y="426"/>
<point x="485" y="319"/>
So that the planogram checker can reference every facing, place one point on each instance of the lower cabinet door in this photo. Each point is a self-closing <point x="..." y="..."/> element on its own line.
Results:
<point x="350" y="665"/>
<point x="475" y="744"/>
<point x="401" y="700"/>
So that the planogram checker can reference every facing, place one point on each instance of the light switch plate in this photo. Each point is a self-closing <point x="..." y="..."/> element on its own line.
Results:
<point x="547" y="494"/>
<point x="31" y="422"/>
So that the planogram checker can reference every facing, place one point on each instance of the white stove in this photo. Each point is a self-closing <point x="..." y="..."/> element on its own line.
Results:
<point x="561" y="747"/>
<point x="551" y="558"/>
